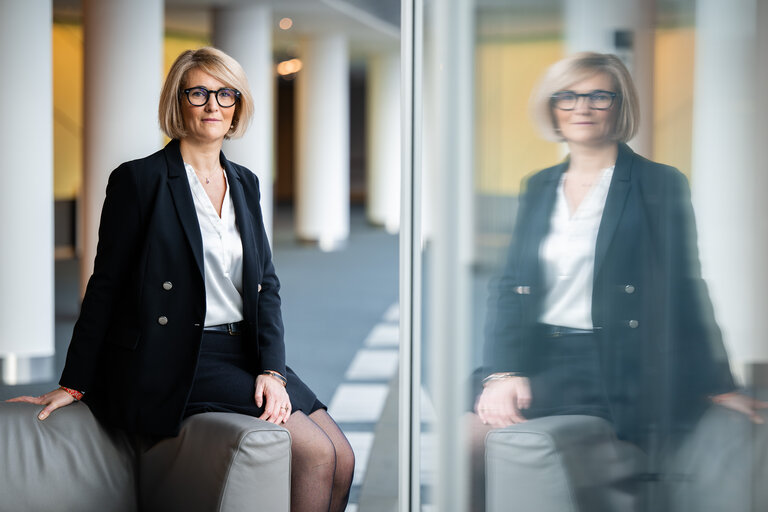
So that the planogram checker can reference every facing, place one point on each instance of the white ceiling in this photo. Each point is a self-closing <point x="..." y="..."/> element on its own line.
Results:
<point x="366" y="32"/>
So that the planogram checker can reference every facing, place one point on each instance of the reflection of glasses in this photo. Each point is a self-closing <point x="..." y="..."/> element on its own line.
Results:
<point x="225" y="97"/>
<point x="596" y="100"/>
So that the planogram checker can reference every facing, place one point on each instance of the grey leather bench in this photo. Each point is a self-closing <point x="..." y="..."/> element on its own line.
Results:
<point x="576" y="464"/>
<point x="219" y="462"/>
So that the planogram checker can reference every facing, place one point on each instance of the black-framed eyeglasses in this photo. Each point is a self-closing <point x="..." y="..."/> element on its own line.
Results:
<point x="596" y="100"/>
<point x="225" y="97"/>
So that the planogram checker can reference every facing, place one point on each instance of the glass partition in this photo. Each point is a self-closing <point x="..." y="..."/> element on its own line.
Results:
<point x="574" y="337"/>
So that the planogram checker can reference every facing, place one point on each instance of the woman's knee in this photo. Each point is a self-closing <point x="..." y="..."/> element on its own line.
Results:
<point x="345" y="461"/>
<point x="319" y="453"/>
<point x="310" y="446"/>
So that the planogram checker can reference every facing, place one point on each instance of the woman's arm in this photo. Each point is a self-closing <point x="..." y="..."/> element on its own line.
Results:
<point x="700" y="359"/>
<point x="270" y="318"/>
<point x="700" y="351"/>
<point x="119" y="235"/>
<point x="505" y="349"/>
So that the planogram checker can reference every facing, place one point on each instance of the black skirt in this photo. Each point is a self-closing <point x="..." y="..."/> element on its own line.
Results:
<point x="225" y="380"/>
<point x="570" y="379"/>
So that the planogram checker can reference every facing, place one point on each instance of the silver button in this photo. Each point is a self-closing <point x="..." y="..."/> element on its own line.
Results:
<point x="522" y="290"/>
<point x="167" y="285"/>
<point x="633" y="324"/>
<point x="629" y="289"/>
<point x="259" y="288"/>
<point x="162" y="320"/>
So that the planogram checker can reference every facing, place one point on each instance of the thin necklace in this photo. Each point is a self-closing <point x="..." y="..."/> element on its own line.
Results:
<point x="208" y="181"/>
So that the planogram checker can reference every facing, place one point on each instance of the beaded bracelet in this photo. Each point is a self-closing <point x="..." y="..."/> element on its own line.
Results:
<point x="277" y="375"/>
<point x="499" y="376"/>
<point x="77" y="395"/>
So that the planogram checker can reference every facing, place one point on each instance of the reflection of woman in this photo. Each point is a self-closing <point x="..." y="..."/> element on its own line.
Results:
<point x="182" y="313"/>
<point x="601" y="309"/>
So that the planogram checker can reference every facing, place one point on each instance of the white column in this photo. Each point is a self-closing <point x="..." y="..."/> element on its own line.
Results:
<point x="730" y="174"/>
<point x="383" y="134"/>
<point x="450" y="249"/>
<point x="322" y="184"/>
<point x="243" y="31"/>
<point x="123" y="65"/>
<point x="598" y="25"/>
<point x="26" y="194"/>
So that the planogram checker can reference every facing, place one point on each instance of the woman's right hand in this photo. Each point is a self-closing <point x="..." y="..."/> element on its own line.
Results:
<point x="52" y="401"/>
<point x="500" y="402"/>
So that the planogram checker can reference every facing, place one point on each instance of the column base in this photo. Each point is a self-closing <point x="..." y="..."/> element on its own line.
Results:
<point x="324" y="244"/>
<point x="15" y="370"/>
<point x="756" y="375"/>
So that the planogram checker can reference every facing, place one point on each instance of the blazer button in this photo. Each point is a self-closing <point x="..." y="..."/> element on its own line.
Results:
<point x="522" y="290"/>
<point x="633" y="324"/>
<point x="629" y="288"/>
<point x="167" y="285"/>
<point x="162" y="320"/>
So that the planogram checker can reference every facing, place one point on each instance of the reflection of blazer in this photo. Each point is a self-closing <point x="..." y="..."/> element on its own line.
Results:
<point x="661" y="350"/>
<point x="135" y="345"/>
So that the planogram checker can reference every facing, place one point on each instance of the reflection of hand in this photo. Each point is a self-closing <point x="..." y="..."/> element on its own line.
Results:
<point x="741" y="403"/>
<point x="278" y="406"/>
<point x="52" y="401"/>
<point x="501" y="400"/>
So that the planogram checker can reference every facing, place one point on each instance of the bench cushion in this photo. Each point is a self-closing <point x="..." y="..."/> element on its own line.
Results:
<point x="219" y="462"/>
<point x="67" y="462"/>
<point x="559" y="464"/>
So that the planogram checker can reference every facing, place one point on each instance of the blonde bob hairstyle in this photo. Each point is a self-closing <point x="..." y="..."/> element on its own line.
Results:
<point x="220" y="66"/>
<point x="564" y="73"/>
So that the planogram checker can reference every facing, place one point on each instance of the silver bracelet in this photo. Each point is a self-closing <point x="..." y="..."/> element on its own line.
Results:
<point x="499" y="376"/>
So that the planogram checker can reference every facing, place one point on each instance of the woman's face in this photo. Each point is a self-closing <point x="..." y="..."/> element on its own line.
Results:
<point x="209" y="122"/>
<point x="585" y="125"/>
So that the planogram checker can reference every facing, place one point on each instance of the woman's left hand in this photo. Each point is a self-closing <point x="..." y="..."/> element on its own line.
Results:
<point x="743" y="404"/>
<point x="278" y="406"/>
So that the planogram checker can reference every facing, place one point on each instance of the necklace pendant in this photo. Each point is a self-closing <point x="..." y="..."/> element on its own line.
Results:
<point x="207" y="181"/>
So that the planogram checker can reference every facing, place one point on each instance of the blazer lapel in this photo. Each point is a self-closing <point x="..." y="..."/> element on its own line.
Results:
<point x="538" y="226"/>
<point x="245" y="224"/>
<point x="614" y="203"/>
<point x="182" y="199"/>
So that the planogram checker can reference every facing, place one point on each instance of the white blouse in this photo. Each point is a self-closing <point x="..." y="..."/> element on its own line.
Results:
<point x="567" y="255"/>
<point x="222" y="254"/>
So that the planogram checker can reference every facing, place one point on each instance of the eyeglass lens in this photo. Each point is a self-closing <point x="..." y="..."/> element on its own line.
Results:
<point x="198" y="96"/>
<point x="598" y="100"/>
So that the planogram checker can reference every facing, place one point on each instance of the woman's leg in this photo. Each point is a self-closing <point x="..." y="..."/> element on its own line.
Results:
<point x="313" y="465"/>
<point x="345" y="459"/>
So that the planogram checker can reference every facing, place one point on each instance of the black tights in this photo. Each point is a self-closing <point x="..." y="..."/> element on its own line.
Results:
<point x="322" y="463"/>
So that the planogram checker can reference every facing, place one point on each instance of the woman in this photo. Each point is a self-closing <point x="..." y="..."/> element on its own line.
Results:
<point x="601" y="309"/>
<point x="182" y="312"/>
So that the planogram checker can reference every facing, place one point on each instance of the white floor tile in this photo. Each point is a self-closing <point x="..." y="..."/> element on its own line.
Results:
<point x="361" y="444"/>
<point x="393" y="314"/>
<point x="373" y="365"/>
<point x="358" y="402"/>
<point x="383" y="335"/>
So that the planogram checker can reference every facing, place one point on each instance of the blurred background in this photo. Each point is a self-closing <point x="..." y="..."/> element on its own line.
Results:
<point x="390" y="139"/>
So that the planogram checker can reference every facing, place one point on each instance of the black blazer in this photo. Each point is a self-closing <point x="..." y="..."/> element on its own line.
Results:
<point x="135" y="345"/>
<point x="661" y="350"/>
